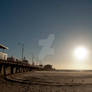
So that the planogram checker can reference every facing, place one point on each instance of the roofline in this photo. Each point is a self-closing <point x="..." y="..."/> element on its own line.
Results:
<point x="3" y="47"/>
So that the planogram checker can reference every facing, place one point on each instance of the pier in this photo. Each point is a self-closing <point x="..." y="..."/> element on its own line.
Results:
<point x="8" y="67"/>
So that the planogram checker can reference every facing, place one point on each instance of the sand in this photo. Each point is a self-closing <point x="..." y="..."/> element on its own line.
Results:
<point x="48" y="81"/>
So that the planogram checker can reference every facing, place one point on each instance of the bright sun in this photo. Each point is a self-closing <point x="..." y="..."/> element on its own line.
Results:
<point x="80" y="53"/>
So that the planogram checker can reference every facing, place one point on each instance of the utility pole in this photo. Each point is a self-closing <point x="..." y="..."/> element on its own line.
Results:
<point x="22" y="50"/>
<point x="33" y="63"/>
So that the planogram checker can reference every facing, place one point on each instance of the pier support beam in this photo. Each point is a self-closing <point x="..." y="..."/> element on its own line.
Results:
<point x="4" y="70"/>
<point x="12" y="69"/>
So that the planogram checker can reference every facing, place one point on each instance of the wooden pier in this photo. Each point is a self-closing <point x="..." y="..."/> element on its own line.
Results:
<point x="8" y="67"/>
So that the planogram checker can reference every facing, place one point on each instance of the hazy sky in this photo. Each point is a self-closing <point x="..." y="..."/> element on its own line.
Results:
<point x="28" y="21"/>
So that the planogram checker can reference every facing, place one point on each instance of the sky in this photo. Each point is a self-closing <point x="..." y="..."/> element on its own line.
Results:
<point x="31" y="21"/>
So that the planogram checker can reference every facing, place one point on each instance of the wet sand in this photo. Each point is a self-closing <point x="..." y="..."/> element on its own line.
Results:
<point x="44" y="81"/>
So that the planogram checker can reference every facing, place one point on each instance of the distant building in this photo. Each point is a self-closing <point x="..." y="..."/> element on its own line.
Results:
<point x="11" y="59"/>
<point x="48" y="67"/>
<point x="3" y="55"/>
<point x="25" y="60"/>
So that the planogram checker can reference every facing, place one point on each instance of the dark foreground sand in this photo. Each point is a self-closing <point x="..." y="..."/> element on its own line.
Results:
<point x="43" y="81"/>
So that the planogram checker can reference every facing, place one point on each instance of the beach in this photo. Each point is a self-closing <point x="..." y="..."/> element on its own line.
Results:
<point x="47" y="81"/>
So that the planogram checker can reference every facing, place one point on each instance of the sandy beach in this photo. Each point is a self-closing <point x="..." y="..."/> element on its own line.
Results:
<point x="44" y="81"/>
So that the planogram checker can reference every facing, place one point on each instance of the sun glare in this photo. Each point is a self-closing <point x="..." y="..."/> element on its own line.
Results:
<point x="81" y="53"/>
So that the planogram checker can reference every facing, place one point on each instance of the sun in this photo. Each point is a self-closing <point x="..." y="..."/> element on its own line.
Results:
<point x="81" y="53"/>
